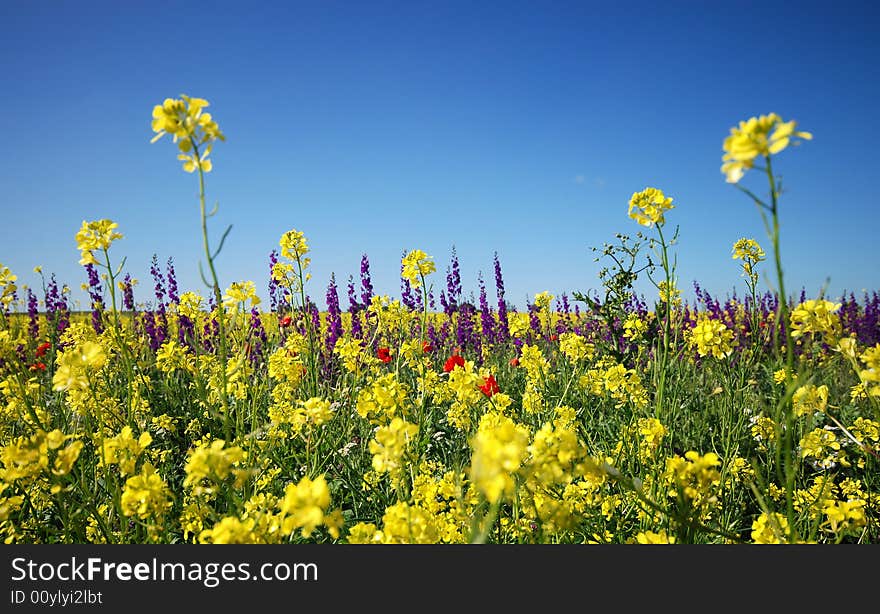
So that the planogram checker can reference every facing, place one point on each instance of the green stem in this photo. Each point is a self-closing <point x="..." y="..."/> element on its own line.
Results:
<point x="218" y="299"/>
<point x="664" y="354"/>
<point x="782" y="321"/>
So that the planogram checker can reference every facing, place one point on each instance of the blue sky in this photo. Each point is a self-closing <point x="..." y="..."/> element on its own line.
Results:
<point x="520" y="128"/>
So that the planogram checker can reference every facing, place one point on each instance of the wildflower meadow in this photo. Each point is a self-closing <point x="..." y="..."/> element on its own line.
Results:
<point x="205" y="415"/>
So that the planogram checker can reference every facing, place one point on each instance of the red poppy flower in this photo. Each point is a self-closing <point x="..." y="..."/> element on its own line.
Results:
<point x="514" y="362"/>
<point x="427" y="347"/>
<point x="38" y="367"/>
<point x="554" y="337"/>
<point x="384" y="355"/>
<point x="453" y="361"/>
<point x="43" y="348"/>
<point x="490" y="386"/>
<point x="285" y="321"/>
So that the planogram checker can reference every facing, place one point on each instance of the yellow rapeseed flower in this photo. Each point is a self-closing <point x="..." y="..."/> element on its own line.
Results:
<point x="416" y="265"/>
<point x="499" y="449"/>
<point x="711" y="337"/>
<point x="293" y="245"/>
<point x="95" y="235"/>
<point x="816" y="316"/>
<point x="190" y="127"/>
<point x="304" y="505"/>
<point x="770" y="529"/>
<point x="647" y="207"/>
<point x="757" y="136"/>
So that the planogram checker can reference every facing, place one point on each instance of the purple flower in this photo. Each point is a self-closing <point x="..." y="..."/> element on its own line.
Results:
<point x="160" y="283"/>
<point x="172" y="283"/>
<point x="503" y="330"/>
<point x="33" y="315"/>
<point x="258" y="335"/>
<point x="366" y="282"/>
<point x="273" y="285"/>
<point x="127" y="293"/>
<point x="406" y="294"/>
<point x="486" y="321"/>
<point x="96" y="296"/>
<point x="334" y="315"/>
<point x="453" y="284"/>
<point x="353" y="309"/>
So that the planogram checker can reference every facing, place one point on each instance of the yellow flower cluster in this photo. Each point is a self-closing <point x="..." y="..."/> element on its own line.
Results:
<point x="416" y="265"/>
<point x="711" y="337"/>
<point x="75" y="364"/>
<point x="146" y="495"/>
<point x="239" y="293"/>
<point x="816" y="316"/>
<point x="809" y="399"/>
<point x="293" y="275"/>
<point x="757" y="136"/>
<point x="695" y="478"/>
<point x="821" y="447"/>
<point x="95" y="235"/>
<point x="189" y="127"/>
<point x="543" y="300"/>
<point x="770" y="529"/>
<point x="499" y="449"/>
<point x="210" y="463"/>
<point x="750" y="253"/>
<point x="648" y="206"/>
<point x="26" y="458"/>
<point x="7" y="285"/>
<point x="124" y="450"/>
<point x="575" y="347"/>
<point x="293" y="245"/>
<point x="389" y="445"/>
<point x="634" y="327"/>
<point x="305" y="506"/>
<point x="384" y="399"/>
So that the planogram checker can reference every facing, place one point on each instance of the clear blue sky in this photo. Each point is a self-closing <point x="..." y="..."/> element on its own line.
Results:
<point x="378" y="127"/>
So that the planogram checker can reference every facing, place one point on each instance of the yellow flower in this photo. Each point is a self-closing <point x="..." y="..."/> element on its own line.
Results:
<point x="7" y="279"/>
<point x="748" y="249"/>
<point x="543" y="300"/>
<point x="816" y="316"/>
<point x="293" y="245"/>
<point x="634" y="327"/>
<point x="95" y="235"/>
<point x="809" y="399"/>
<point x="73" y="364"/>
<point x="780" y="376"/>
<point x="124" y="450"/>
<point x="389" y="445"/>
<point x="189" y="127"/>
<point x="710" y="336"/>
<point x="750" y="253"/>
<point x="145" y="494"/>
<point x="240" y="292"/>
<point x="757" y="136"/>
<point x="499" y="449"/>
<point x="317" y="411"/>
<point x="417" y="264"/>
<point x="304" y="505"/>
<point x="575" y="347"/>
<point x="647" y="207"/>
<point x="668" y="292"/>
<point x="211" y="462"/>
<point x="770" y="529"/>
<point x="230" y="530"/>
<point x="649" y="537"/>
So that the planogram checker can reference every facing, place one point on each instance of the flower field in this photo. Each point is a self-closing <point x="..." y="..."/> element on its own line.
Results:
<point x="607" y="417"/>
